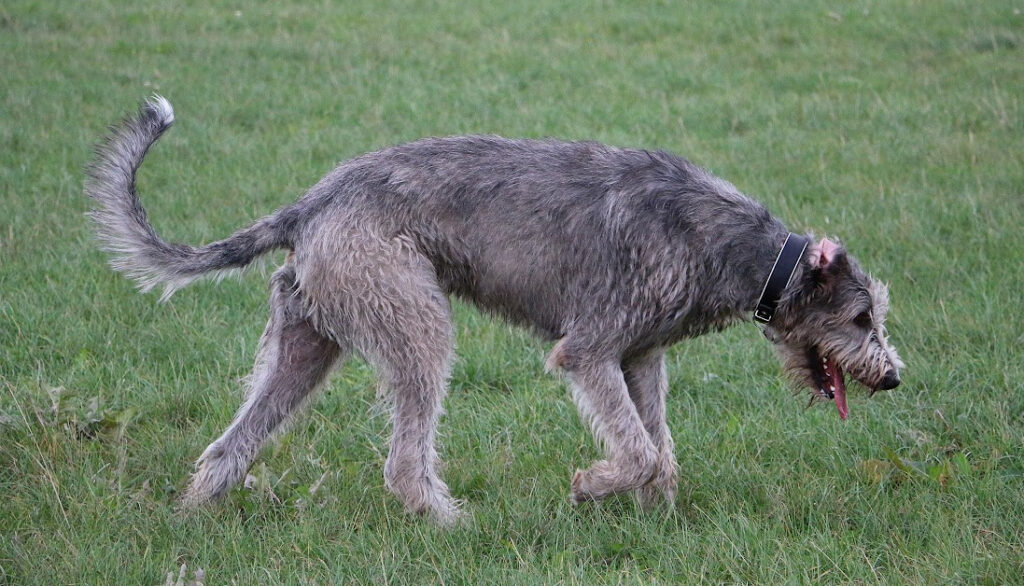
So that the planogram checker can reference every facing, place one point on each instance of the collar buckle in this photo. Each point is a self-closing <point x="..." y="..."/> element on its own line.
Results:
<point x="762" y="315"/>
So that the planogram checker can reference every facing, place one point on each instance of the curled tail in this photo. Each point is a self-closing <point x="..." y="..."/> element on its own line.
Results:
<point x="123" y="229"/>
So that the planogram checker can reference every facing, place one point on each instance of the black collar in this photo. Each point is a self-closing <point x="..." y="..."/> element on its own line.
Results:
<point x="778" y="279"/>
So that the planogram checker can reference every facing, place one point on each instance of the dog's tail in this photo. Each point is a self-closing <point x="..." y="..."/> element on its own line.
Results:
<point x="123" y="229"/>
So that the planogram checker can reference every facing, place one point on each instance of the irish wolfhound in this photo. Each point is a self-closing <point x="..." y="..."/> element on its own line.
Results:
<point x="615" y="253"/>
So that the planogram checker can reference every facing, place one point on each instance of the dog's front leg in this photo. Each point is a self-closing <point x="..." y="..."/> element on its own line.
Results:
<point x="648" y="387"/>
<point x="600" y="393"/>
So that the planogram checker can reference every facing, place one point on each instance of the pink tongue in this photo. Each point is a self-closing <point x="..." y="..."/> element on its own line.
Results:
<point x="839" y="392"/>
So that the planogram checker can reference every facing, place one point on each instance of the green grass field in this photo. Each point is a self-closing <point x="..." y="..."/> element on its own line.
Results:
<point x="896" y="126"/>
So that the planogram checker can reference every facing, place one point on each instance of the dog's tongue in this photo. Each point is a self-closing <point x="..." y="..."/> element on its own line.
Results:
<point x="838" y="388"/>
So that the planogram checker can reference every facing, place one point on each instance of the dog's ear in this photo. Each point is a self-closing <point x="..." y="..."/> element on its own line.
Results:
<point x="828" y="259"/>
<point x="825" y="252"/>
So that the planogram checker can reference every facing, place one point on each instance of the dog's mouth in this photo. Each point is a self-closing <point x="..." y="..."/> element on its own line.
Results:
<point x="828" y="379"/>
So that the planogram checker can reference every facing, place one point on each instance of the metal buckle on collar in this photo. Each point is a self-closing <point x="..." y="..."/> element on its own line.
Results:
<point x="762" y="316"/>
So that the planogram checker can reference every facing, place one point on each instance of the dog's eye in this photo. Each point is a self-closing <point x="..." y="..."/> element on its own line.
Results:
<point x="863" y="320"/>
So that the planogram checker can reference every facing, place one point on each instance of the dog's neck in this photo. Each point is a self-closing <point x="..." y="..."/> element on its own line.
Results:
<point x="745" y="252"/>
<point x="751" y="265"/>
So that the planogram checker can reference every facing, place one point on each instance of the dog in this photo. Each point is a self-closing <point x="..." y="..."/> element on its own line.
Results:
<point x="616" y="254"/>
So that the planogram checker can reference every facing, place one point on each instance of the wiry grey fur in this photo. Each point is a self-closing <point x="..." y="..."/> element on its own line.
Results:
<point x="615" y="253"/>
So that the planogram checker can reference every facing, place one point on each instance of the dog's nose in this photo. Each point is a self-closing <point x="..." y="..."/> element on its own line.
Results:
<point x="891" y="381"/>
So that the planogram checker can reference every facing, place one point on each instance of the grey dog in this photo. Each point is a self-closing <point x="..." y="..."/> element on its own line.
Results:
<point x="615" y="253"/>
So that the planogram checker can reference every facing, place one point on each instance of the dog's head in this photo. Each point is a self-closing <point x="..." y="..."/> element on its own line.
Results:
<point x="831" y="321"/>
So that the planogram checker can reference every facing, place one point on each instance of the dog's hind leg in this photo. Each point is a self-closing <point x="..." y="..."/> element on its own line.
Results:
<point x="292" y="360"/>
<point x="416" y="374"/>
<point x="602" y="397"/>
<point x="647" y="382"/>
<point x="384" y="295"/>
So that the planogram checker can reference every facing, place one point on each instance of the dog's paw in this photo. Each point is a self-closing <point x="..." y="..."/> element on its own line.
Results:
<point x="591" y="484"/>
<point x="450" y="513"/>
<point x="654" y="494"/>
<point x="663" y="486"/>
<point x="436" y="506"/>
<point x="578" y="496"/>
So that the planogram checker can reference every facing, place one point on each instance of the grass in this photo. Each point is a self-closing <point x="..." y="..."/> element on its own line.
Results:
<point x="896" y="126"/>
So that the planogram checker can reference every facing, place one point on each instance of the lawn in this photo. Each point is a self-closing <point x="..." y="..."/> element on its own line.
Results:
<point x="895" y="126"/>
